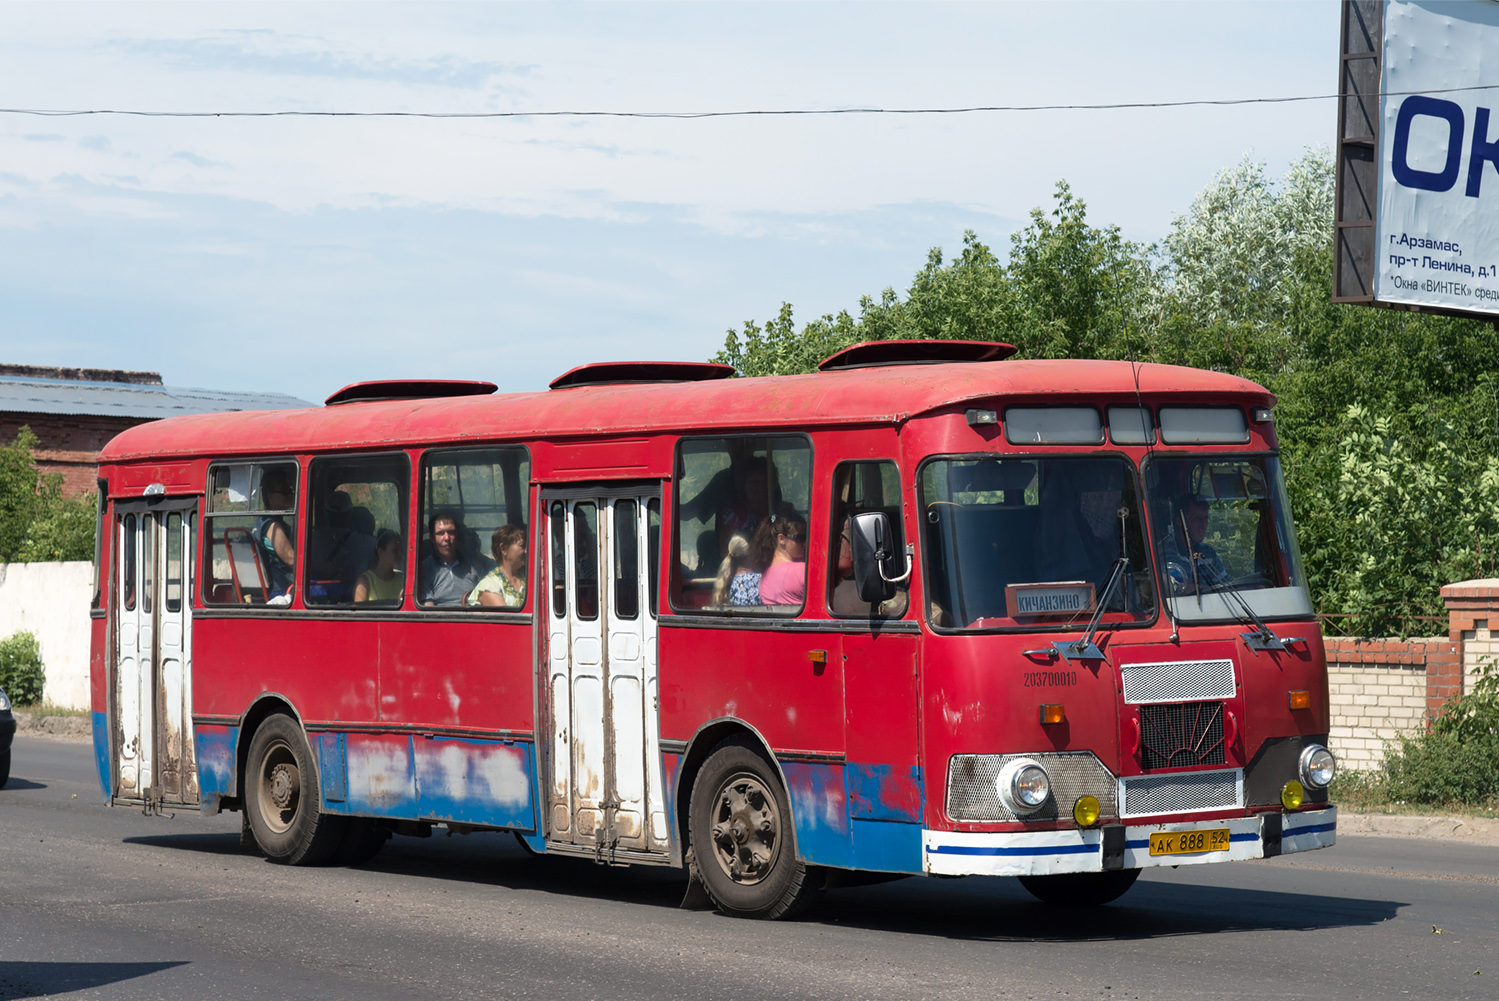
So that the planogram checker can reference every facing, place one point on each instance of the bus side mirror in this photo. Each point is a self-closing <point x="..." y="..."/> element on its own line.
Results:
<point x="872" y="545"/>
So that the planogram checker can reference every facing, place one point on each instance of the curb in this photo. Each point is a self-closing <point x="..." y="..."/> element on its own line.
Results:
<point x="1473" y="830"/>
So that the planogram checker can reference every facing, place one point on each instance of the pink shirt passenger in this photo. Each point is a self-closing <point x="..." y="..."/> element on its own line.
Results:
<point x="784" y="584"/>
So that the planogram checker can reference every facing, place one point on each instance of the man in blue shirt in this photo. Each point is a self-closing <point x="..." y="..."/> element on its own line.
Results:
<point x="447" y="575"/>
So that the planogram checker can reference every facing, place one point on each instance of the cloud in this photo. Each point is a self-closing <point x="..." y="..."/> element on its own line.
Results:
<point x="100" y="144"/>
<point x="196" y="160"/>
<point x="273" y="53"/>
<point x="39" y="137"/>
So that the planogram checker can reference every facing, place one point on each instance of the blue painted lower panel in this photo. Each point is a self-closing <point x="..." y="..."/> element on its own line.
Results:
<point x="217" y="749"/>
<point x="884" y="846"/>
<point x="101" y="754"/>
<point x="820" y="812"/>
<point x="430" y="778"/>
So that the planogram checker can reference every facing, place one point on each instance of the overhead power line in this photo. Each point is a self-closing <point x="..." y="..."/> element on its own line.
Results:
<point x="767" y="112"/>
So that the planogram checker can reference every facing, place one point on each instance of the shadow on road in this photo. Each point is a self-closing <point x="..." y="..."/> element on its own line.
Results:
<point x="35" y="980"/>
<point x="16" y="783"/>
<point x="976" y="908"/>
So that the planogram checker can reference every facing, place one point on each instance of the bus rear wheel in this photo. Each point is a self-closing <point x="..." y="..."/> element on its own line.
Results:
<point x="1081" y="889"/>
<point x="742" y="838"/>
<point x="282" y="801"/>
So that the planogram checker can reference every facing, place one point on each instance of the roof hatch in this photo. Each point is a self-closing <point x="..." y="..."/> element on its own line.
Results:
<point x="870" y="354"/>
<point x="408" y="389"/>
<point x="606" y="373"/>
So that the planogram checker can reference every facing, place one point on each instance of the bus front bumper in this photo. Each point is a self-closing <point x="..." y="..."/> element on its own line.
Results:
<point x="1038" y="853"/>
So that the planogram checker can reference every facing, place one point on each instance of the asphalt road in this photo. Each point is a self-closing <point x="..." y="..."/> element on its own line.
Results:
<point x="101" y="903"/>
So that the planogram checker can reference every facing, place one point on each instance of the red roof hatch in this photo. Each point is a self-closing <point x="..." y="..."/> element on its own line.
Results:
<point x="408" y="389"/>
<point x="605" y="373"/>
<point x="870" y="354"/>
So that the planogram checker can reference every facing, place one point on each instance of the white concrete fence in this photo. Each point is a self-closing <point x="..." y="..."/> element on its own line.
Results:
<point x="51" y="601"/>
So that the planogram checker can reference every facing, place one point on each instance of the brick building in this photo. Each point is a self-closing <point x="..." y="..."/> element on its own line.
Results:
<point x="74" y="411"/>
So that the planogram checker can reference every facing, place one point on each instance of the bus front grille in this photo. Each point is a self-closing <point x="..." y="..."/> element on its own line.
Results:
<point x="1183" y="792"/>
<point x="1177" y="681"/>
<point x="1181" y="734"/>
<point x="973" y="796"/>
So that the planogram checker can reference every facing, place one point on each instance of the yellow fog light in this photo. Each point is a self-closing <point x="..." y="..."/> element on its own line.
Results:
<point x="1291" y="795"/>
<point x="1085" y="811"/>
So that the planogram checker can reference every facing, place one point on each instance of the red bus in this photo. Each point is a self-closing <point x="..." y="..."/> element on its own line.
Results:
<point x="925" y="611"/>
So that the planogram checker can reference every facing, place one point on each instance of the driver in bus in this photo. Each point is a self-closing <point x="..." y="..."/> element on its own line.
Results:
<point x="273" y="537"/>
<point x="1179" y="557"/>
<point x="447" y="574"/>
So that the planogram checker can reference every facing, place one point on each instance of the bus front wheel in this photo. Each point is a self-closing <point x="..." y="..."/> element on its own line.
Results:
<point x="282" y="800"/>
<point x="1081" y="889"/>
<point x="742" y="838"/>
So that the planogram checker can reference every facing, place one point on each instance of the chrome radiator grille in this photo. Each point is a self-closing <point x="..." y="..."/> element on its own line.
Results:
<point x="1178" y="681"/>
<point x="971" y="794"/>
<point x="1182" y="792"/>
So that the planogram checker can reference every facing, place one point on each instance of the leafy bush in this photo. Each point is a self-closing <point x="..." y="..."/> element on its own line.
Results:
<point x="37" y="523"/>
<point x="21" y="673"/>
<point x="1457" y="760"/>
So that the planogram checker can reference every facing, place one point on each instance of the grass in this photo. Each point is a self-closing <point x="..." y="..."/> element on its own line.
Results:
<point x="48" y="709"/>
<point x="1367" y="792"/>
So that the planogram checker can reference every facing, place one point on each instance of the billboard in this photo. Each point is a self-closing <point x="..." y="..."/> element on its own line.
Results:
<point x="1418" y="171"/>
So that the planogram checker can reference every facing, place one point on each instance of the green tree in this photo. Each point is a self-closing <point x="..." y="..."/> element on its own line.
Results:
<point x="38" y="523"/>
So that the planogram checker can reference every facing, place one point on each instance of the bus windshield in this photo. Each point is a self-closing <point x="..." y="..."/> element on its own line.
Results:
<point x="1033" y="541"/>
<point x="1223" y="538"/>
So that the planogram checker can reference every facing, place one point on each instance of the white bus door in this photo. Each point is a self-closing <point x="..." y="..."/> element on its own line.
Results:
<point x="155" y="763"/>
<point x="606" y="793"/>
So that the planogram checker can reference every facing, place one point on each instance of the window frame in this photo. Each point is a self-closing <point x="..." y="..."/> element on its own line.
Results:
<point x="835" y="535"/>
<point x="1143" y="516"/>
<point x="673" y="580"/>
<point x="418" y="530"/>
<point x="203" y="547"/>
<point x="305" y="538"/>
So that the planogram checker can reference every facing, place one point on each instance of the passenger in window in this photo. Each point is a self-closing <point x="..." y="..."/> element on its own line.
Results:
<point x="1180" y="553"/>
<point x="505" y="585"/>
<point x="752" y="503"/>
<point x="781" y="546"/>
<point x="738" y="579"/>
<point x="274" y="538"/>
<point x="447" y="575"/>
<point x="385" y="581"/>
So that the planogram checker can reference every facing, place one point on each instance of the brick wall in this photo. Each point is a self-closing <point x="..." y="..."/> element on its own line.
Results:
<point x="68" y="444"/>
<point x="1378" y="690"/>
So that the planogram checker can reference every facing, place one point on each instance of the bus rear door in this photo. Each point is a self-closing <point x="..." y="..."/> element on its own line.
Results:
<point x="154" y="763"/>
<point x="606" y="793"/>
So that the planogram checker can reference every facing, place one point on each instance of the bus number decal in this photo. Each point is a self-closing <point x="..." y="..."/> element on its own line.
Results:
<point x="1049" y="679"/>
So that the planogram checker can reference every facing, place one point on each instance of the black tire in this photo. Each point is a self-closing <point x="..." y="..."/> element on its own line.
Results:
<point x="282" y="799"/>
<point x="1081" y="889"/>
<point x="4" y="767"/>
<point x="743" y="840"/>
<point x="361" y="842"/>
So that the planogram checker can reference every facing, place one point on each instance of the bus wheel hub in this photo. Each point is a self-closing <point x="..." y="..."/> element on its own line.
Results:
<point x="284" y="785"/>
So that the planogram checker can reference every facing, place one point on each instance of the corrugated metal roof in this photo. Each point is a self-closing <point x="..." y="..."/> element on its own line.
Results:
<point x="119" y="399"/>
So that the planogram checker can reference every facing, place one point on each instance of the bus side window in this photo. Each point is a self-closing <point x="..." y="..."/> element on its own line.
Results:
<point x="469" y="497"/>
<point x="251" y="525"/>
<point x="356" y="536"/>
<point x="861" y="487"/>
<point x="741" y="510"/>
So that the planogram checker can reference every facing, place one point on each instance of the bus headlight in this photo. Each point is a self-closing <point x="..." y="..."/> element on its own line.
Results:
<point x="1023" y="785"/>
<point x="1318" y="766"/>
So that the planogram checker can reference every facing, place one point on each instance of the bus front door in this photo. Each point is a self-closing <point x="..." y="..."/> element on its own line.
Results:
<point x="605" y="787"/>
<point x="154" y="761"/>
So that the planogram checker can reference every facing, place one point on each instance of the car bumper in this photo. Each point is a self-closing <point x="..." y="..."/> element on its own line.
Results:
<point x="1036" y="853"/>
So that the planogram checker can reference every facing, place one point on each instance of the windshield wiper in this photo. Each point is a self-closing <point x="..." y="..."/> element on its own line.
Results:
<point x="1085" y="648"/>
<point x="1263" y="638"/>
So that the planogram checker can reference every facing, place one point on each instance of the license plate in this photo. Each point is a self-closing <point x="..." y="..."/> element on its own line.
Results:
<point x="1189" y="842"/>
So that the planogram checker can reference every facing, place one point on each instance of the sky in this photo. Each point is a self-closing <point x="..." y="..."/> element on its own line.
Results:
<point x="300" y="254"/>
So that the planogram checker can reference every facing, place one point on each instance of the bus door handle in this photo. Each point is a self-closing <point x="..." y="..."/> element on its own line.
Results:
<point x="1049" y="653"/>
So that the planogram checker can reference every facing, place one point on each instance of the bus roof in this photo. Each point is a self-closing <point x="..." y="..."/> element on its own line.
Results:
<point x="860" y="396"/>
